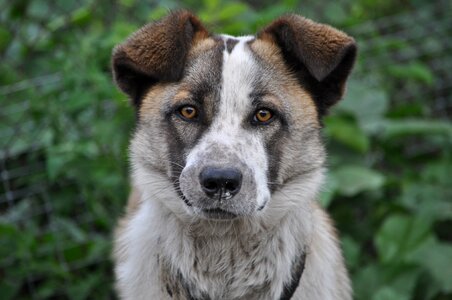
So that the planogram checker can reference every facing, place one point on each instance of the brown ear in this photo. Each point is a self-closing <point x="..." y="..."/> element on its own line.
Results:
<point x="155" y="53"/>
<point x="321" y="56"/>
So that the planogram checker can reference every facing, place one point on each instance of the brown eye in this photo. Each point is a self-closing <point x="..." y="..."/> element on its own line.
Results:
<point x="263" y="116"/>
<point x="188" y="112"/>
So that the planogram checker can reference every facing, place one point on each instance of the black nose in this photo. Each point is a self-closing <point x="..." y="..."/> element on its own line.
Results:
<point x="222" y="182"/>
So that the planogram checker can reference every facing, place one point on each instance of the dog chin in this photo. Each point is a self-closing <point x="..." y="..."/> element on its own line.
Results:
<point x="216" y="214"/>
<point x="219" y="213"/>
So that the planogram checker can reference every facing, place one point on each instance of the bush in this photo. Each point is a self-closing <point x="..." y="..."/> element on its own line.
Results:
<point x="65" y="128"/>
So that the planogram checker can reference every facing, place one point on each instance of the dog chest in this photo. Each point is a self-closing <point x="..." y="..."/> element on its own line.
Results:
<point x="225" y="268"/>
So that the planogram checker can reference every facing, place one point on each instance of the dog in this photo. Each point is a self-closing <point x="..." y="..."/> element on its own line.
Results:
<point x="227" y="161"/>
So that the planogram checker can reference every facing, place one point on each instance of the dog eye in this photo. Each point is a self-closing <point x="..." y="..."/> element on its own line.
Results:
<point x="263" y="116"/>
<point x="188" y="112"/>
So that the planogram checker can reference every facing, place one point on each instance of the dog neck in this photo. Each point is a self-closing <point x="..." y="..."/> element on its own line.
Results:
<point x="201" y="256"/>
<point x="180" y="288"/>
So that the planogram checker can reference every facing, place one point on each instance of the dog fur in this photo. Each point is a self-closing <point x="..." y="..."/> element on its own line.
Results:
<point x="269" y="239"/>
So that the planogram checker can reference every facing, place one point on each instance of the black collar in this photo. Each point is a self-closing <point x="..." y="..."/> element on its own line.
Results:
<point x="297" y="271"/>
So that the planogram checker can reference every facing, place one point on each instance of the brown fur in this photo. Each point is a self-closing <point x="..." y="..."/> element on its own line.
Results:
<point x="320" y="55"/>
<point x="149" y="55"/>
<point x="152" y="102"/>
<point x="320" y="47"/>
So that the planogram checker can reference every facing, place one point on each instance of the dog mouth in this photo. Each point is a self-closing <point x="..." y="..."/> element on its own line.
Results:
<point x="212" y="213"/>
<point x="218" y="214"/>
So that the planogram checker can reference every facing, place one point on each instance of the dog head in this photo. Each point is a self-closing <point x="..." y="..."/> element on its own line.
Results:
<point x="229" y="120"/>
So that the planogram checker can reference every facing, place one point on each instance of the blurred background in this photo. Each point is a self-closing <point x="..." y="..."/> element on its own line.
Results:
<point x="64" y="129"/>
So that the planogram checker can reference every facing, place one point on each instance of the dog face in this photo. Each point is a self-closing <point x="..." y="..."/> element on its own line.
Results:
<point x="228" y="120"/>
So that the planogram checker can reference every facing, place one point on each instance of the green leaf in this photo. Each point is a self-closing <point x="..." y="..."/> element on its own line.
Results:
<point x="71" y="229"/>
<point x="155" y="14"/>
<point x="352" y="180"/>
<point x="396" y="128"/>
<point x="389" y="293"/>
<point x="49" y="289"/>
<point x="81" y="16"/>
<point x="438" y="172"/>
<point x="335" y="12"/>
<point x="347" y="132"/>
<point x="366" y="103"/>
<point x="212" y="5"/>
<point x="8" y="243"/>
<point x="403" y="278"/>
<point x="56" y="23"/>
<point x="417" y="196"/>
<point x="57" y="163"/>
<point x="436" y="258"/>
<point x="414" y="70"/>
<point x="400" y="236"/>
<point x="9" y="289"/>
<point x="366" y="281"/>
<point x="231" y="10"/>
<point x="127" y="3"/>
<point x="84" y="288"/>
<point x="5" y="38"/>
<point x="351" y="251"/>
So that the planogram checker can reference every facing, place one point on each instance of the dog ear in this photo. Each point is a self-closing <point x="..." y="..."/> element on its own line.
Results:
<point x="321" y="56"/>
<point x="155" y="53"/>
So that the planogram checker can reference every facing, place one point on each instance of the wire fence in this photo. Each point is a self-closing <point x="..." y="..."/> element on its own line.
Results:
<point x="417" y="43"/>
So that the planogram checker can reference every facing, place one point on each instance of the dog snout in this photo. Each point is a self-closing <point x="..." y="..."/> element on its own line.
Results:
<point x="220" y="182"/>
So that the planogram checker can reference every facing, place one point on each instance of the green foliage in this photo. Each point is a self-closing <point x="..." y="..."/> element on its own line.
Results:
<point x="400" y="196"/>
<point x="390" y="162"/>
<point x="402" y="205"/>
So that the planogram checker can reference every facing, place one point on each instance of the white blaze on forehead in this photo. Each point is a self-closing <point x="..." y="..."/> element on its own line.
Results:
<point x="227" y="129"/>
<point x="239" y="71"/>
<point x="238" y="81"/>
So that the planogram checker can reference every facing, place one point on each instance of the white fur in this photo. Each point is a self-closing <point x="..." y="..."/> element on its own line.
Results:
<point x="226" y="130"/>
